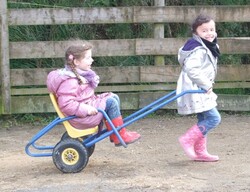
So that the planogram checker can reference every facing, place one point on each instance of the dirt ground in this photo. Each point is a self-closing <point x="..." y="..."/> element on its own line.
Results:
<point x="155" y="163"/>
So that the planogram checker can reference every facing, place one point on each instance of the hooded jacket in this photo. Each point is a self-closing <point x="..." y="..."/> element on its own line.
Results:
<point x="199" y="69"/>
<point x="75" y="99"/>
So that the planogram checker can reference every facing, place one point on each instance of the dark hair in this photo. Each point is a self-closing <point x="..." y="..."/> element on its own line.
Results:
<point x="200" y="19"/>
<point x="76" y="51"/>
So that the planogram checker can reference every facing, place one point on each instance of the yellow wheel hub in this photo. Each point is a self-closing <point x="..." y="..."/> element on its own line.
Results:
<point x="70" y="156"/>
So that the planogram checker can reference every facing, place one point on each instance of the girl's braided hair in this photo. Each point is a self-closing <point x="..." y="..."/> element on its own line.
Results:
<point x="76" y="51"/>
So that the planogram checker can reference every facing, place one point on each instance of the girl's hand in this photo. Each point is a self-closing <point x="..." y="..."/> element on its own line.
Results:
<point x="210" y="90"/>
<point x="92" y="111"/>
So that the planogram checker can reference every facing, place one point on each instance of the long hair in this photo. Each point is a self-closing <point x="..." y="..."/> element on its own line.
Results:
<point x="76" y="51"/>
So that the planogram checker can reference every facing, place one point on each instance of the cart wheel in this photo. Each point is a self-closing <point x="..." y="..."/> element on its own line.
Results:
<point x="65" y="135"/>
<point x="90" y="149"/>
<point x="70" y="156"/>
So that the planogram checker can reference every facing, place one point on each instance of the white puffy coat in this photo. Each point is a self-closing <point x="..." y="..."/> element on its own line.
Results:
<point x="199" y="69"/>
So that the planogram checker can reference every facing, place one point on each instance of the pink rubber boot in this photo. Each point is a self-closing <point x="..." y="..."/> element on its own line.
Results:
<point x="188" y="140"/>
<point x="200" y="148"/>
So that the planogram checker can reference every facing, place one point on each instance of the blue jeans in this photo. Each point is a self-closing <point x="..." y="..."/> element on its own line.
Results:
<point x="113" y="106"/>
<point x="208" y="120"/>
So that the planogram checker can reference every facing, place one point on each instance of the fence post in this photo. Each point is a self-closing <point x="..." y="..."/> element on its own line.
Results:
<point x="4" y="60"/>
<point x="158" y="34"/>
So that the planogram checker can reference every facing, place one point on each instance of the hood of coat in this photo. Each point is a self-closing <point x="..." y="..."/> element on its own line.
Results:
<point x="190" y="46"/>
<point x="56" y="77"/>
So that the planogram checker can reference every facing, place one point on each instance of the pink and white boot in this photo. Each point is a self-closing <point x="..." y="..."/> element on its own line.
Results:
<point x="200" y="148"/>
<point x="188" y="141"/>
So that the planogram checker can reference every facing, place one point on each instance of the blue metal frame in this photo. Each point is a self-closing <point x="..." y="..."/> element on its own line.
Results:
<point x="91" y="140"/>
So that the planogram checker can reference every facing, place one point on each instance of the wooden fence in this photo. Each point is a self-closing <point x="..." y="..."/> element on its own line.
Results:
<point x="136" y="85"/>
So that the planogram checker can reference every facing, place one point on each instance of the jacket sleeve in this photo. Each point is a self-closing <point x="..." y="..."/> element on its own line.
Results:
<point x="67" y="99"/>
<point x="194" y="67"/>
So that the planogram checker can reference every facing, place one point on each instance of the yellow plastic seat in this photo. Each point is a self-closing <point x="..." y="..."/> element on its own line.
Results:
<point x="72" y="131"/>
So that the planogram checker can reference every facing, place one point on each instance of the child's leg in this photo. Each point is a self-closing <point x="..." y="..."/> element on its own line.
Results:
<point x="206" y="121"/>
<point x="113" y="107"/>
<point x="113" y="111"/>
<point x="116" y="97"/>
<point x="189" y="139"/>
<point x="194" y="141"/>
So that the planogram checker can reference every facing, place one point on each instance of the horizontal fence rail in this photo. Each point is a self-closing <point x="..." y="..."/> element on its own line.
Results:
<point x="121" y="47"/>
<point x="166" y="14"/>
<point x="133" y="74"/>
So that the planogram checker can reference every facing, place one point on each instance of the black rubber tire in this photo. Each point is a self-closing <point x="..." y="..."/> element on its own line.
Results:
<point x="65" y="135"/>
<point x="70" y="156"/>
<point x="90" y="149"/>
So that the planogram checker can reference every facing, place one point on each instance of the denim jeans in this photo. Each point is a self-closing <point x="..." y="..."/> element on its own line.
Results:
<point x="113" y="106"/>
<point x="208" y="120"/>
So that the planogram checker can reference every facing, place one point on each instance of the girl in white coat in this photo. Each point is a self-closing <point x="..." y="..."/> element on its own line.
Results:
<point x="198" y="59"/>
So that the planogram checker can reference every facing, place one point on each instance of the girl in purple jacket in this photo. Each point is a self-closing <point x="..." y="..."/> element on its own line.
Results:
<point x="74" y="87"/>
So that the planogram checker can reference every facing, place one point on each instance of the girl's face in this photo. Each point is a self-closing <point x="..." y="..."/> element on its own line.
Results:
<point x="86" y="62"/>
<point x="207" y="31"/>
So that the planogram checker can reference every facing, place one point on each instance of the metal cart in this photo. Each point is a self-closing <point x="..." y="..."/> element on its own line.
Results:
<point x="71" y="153"/>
